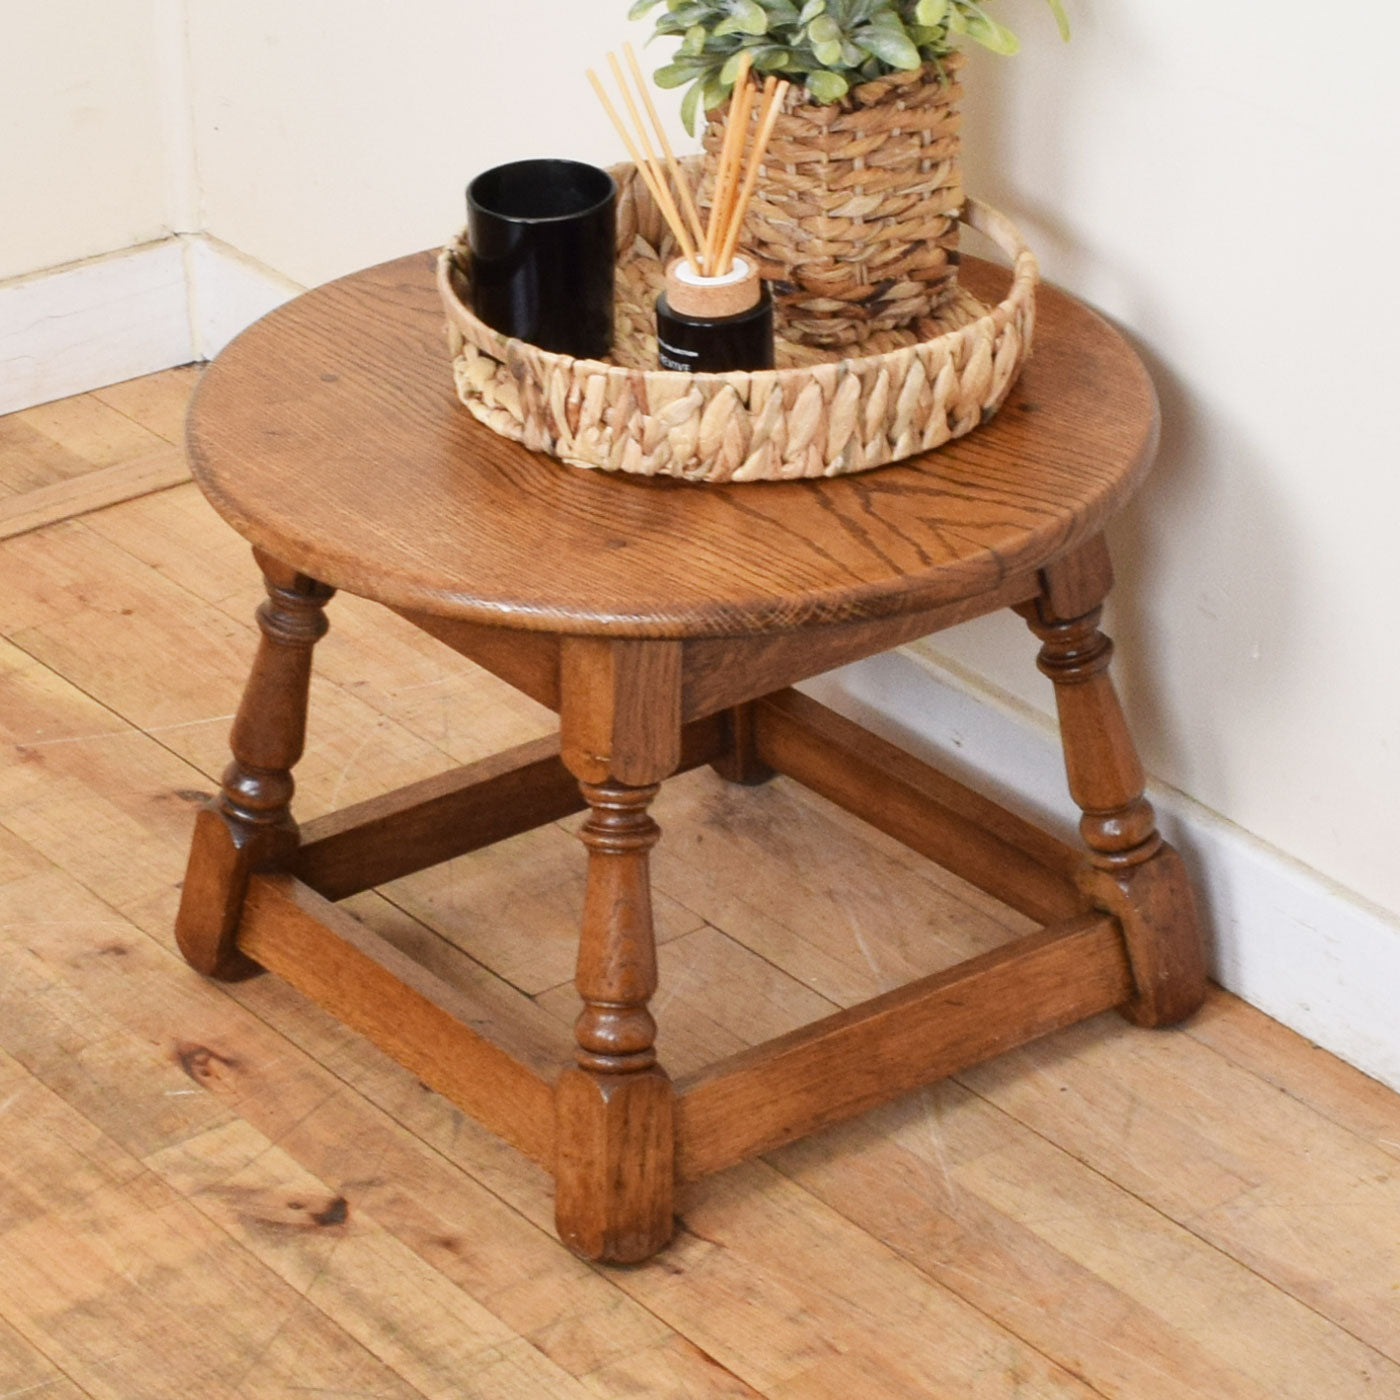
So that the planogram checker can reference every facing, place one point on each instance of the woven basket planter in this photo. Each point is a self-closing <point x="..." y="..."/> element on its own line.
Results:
<point x="817" y="414"/>
<point x="855" y="221"/>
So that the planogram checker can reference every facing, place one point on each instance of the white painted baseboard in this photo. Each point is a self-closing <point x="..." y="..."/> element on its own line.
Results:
<point x="92" y="323"/>
<point x="1302" y="949"/>
<point x="228" y="292"/>
<point x="75" y="328"/>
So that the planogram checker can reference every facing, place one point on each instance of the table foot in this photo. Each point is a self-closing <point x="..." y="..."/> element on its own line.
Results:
<point x="614" y="1167"/>
<point x="1155" y="905"/>
<point x="249" y="825"/>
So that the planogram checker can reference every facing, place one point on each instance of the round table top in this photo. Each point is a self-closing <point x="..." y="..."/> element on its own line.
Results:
<point x="329" y="435"/>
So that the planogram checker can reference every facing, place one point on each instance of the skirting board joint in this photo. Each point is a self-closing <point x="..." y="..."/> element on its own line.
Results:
<point x="84" y="325"/>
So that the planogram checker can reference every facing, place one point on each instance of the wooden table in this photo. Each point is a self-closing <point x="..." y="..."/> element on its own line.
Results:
<point x="664" y="623"/>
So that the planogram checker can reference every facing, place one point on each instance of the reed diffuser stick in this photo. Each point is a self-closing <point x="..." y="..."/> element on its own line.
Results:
<point x="773" y="94"/>
<point x="678" y="178"/>
<point x="658" y="175"/>
<point x="711" y="253"/>
<point x="655" y="181"/>
<point x="736" y="168"/>
<point x="729" y="156"/>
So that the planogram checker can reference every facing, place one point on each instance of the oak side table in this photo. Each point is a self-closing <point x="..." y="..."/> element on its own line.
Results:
<point x="664" y="622"/>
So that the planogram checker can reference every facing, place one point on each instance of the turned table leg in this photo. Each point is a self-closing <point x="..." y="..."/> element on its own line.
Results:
<point x="249" y="825"/>
<point x="614" y="1135"/>
<point x="1132" y="873"/>
<point x="614" y="1155"/>
<point x="741" y="763"/>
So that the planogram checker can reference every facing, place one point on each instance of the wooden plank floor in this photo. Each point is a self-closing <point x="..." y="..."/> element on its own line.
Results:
<point x="218" y="1192"/>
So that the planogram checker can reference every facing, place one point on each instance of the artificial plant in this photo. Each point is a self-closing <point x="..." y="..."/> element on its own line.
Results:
<point x="826" y="46"/>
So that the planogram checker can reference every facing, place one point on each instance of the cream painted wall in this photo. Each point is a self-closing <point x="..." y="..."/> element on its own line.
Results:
<point x="335" y="135"/>
<point x="84" y="159"/>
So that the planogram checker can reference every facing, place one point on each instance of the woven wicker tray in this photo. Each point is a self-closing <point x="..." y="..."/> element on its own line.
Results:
<point x="819" y="413"/>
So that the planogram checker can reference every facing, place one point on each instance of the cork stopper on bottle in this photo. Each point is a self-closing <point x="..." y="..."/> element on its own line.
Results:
<point x="712" y="298"/>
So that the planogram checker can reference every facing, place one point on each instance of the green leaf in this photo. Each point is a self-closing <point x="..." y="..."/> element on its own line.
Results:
<point x="932" y="13"/>
<point x="889" y="43"/>
<point x="730" y="71"/>
<point x="984" y="30"/>
<point x="641" y="7"/>
<point x="824" y="30"/>
<point x="770" y="58"/>
<point x="827" y="87"/>
<point x="811" y="10"/>
<point x="830" y="53"/>
<point x="780" y="12"/>
<point x="681" y="19"/>
<point x="1061" y="18"/>
<point x="673" y="75"/>
<point x="745" y="17"/>
<point x="714" y="93"/>
<point x="690" y="105"/>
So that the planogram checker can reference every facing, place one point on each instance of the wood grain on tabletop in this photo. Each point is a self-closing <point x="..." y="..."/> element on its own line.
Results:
<point x="329" y="435"/>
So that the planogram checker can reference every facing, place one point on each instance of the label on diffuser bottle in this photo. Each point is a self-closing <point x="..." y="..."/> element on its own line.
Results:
<point x="675" y="357"/>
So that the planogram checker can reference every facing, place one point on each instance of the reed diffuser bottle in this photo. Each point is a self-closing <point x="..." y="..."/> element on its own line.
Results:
<point x="714" y="324"/>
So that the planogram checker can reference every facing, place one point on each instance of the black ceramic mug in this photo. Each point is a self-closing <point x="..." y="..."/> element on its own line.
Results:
<point x="542" y="236"/>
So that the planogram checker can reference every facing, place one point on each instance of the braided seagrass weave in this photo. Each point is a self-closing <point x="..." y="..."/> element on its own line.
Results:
<point x="817" y="414"/>
<point x="855" y="222"/>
